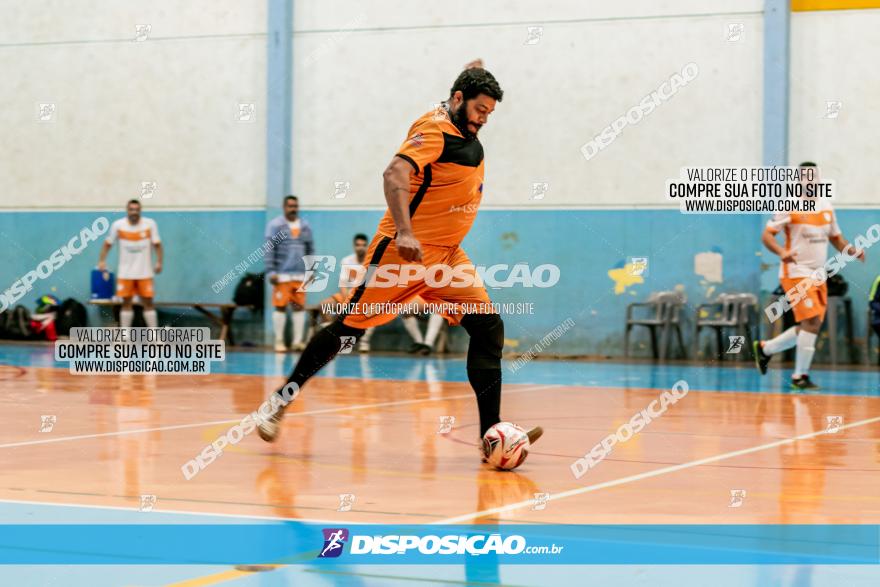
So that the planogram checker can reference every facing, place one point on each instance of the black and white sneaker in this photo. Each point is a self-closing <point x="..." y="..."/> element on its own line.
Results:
<point x="419" y="348"/>
<point x="802" y="383"/>
<point x="761" y="359"/>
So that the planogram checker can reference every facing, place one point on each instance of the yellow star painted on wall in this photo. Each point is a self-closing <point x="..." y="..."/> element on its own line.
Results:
<point x="624" y="277"/>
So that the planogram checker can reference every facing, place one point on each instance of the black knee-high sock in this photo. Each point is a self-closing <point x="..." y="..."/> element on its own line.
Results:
<point x="321" y="349"/>
<point x="487" y="387"/>
<point x="484" y="365"/>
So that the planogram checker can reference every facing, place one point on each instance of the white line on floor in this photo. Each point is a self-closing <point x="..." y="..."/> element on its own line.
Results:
<point x="294" y="415"/>
<point x="649" y="474"/>
<point x="141" y="515"/>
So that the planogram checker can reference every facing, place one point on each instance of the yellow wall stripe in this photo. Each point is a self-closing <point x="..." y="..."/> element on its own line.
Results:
<point x="807" y="5"/>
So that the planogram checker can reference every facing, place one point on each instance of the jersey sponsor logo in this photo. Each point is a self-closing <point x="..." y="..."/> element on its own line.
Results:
<point x="416" y="140"/>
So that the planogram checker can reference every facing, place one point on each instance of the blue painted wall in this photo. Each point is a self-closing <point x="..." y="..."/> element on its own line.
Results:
<point x="202" y="246"/>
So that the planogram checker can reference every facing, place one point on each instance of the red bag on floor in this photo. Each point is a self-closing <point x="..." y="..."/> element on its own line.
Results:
<point x="43" y="326"/>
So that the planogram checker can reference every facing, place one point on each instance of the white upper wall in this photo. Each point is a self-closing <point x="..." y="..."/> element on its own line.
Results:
<point x="311" y="15"/>
<point x="834" y="58"/>
<point x="165" y="109"/>
<point x="363" y="72"/>
<point x="160" y="110"/>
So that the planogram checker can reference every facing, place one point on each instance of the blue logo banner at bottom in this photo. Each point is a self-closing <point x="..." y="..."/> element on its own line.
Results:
<point x="323" y="544"/>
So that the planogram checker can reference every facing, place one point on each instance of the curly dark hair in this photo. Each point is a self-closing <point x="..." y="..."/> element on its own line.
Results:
<point x="475" y="81"/>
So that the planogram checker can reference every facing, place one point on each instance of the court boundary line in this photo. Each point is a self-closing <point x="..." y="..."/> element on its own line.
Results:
<point x="164" y="512"/>
<point x="354" y="407"/>
<point x="649" y="474"/>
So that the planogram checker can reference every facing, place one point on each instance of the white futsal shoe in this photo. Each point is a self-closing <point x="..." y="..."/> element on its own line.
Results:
<point x="269" y="420"/>
<point x="269" y="428"/>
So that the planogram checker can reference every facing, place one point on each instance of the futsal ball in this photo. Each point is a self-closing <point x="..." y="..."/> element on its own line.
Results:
<point x="505" y="445"/>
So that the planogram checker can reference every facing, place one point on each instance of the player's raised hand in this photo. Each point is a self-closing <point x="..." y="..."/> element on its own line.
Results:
<point x="409" y="247"/>
<point x="475" y="63"/>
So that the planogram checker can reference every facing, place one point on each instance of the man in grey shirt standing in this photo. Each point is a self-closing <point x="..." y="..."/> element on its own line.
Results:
<point x="286" y="271"/>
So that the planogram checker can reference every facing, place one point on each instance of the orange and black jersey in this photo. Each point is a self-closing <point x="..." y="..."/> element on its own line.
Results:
<point x="447" y="186"/>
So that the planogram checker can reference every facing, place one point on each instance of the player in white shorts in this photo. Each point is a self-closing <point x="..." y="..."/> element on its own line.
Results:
<point x="806" y="249"/>
<point x="137" y="237"/>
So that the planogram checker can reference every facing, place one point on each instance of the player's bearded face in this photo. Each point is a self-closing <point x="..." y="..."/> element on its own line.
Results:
<point x="461" y="121"/>
<point x="291" y="208"/>
<point x="471" y="115"/>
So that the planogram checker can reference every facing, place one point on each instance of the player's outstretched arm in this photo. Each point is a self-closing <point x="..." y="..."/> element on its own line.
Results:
<point x="396" y="183"/>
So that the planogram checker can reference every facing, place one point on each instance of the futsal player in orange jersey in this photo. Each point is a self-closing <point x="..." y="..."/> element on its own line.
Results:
<point x="433" y="187"/>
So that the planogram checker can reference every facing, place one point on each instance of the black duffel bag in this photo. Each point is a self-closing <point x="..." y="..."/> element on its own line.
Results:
<point x="71" y="314"/>
<point x="249" y="291"/>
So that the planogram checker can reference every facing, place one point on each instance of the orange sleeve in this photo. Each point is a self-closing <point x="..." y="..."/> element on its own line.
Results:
<point x="778" y="222"/>
<point x="423" y="145"/>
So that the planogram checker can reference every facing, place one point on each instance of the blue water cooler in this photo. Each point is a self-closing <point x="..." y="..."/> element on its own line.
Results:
<point x="103" y="284"/>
